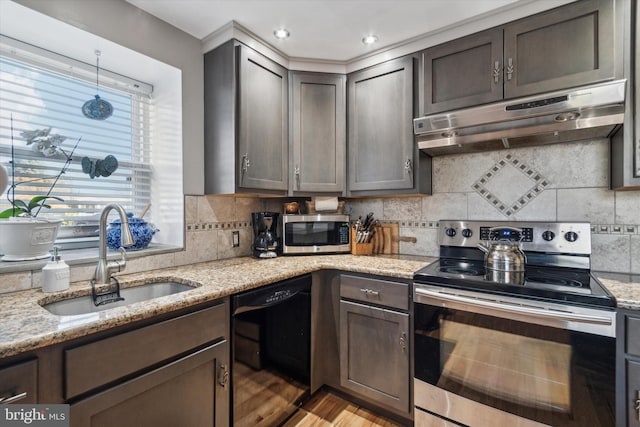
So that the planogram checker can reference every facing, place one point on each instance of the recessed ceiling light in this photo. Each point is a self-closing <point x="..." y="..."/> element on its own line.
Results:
<point x="370" y="39"/>
<point x="281" y="33"/>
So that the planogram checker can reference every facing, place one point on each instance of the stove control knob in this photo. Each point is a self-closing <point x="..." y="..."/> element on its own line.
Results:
<point x="450" y="232"/>
<point x="548" y="235"/>
<point x="571" y="236"/>
<point x="467" y="233"/>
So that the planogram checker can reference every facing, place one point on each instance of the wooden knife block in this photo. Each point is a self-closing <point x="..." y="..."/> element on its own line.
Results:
<point x="360" y="248"/>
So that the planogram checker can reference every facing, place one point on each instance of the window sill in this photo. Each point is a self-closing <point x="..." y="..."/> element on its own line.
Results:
<point x="76" y="257"/>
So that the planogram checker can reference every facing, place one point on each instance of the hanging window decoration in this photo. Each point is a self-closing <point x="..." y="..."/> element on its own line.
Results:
<point x="97" y="168"/>
<point x="98" y="108"/>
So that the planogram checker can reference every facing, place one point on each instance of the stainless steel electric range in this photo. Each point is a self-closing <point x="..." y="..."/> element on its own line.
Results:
<point x="496" y="348"/>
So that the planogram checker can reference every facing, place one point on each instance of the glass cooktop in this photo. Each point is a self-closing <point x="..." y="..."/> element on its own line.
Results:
<point x="574" y="286"/>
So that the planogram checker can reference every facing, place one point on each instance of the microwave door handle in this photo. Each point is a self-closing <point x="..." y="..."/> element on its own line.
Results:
<point x="511" y="308"/>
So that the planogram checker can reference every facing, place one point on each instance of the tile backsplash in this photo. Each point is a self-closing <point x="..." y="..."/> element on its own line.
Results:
<point x="210" y="222"/>
<point x="562" y="182"/>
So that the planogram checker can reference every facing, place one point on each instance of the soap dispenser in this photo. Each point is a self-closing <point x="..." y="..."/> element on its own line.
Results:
<point x="55" y="275"/>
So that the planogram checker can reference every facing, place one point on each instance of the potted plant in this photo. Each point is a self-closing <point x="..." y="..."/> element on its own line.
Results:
<point x="24" y="236"/>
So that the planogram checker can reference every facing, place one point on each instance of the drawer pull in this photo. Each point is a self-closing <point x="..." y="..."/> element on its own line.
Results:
<point x="13" y="398"/>
<point x="369" y="292"/>
<point x="638" y="405"/>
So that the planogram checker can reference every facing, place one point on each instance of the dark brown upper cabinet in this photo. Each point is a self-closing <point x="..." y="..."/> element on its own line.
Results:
<point x="382" y="155"/>
<point x="246" y="131"/>
<point x="568" y="46"/>
<point x="318" y="134"/>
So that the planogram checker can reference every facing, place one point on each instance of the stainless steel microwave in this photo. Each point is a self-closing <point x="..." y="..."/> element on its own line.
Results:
<point x="315" y="234"/>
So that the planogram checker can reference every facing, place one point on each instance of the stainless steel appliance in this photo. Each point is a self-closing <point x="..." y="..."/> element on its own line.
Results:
<point x="271" y="339"/>
<point x="313" y="234"/>
<point x="536" y="349"/>
<point x="561" y="116"/>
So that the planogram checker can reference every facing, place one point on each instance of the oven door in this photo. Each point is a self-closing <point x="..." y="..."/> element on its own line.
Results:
<point x="512" y="362"/>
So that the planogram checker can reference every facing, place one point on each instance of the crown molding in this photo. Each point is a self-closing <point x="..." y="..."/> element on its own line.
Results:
<point x="234" y="30"/>
<point x="501" y="16"/>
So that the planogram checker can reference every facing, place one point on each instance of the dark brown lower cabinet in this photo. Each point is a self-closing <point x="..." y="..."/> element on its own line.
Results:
<point x="374" y="340"/>
<point x="170" y="370"/>
<point x="633" y="393"/>
<point x="187" y="392"/>
<point x="628" y="368"/>
<point x="19" y="383"/>
<point x="374" y="358"/>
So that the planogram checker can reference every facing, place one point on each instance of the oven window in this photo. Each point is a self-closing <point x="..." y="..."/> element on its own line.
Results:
<point x="554" y="376"/>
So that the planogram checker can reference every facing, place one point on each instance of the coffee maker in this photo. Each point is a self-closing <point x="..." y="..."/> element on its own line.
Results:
<point x="265" y="234"/>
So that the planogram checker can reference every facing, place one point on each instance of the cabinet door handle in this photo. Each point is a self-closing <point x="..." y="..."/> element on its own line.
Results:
<point x="370" y="292"/>
<point x="296" y="172"/>
<point x="403" y="341"/>
<point x="510" y="68"/>
<point x="496" y="72"/>
<point x="245" y="165"/>
<point x="223" y="376"/>
<point x="409" y="168"/>
<point x="14" y="398"/>
<point x="637" y="402"/>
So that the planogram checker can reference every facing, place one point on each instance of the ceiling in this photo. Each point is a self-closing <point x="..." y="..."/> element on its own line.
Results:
<point x="323" y="29"/>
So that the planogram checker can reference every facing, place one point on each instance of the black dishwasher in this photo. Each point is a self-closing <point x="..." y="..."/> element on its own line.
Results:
<point x="271" y="336"/>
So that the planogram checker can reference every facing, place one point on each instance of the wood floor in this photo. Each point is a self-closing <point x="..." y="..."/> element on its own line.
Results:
<point x="278" y="396"/>
<point x="326" y="409"/>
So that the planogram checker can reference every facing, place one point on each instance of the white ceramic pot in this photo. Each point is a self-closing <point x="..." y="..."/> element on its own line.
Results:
<point x="23" y="239"/>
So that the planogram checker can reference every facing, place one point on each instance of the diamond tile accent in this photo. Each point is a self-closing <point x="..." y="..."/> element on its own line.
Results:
<point x="510" y="184"/>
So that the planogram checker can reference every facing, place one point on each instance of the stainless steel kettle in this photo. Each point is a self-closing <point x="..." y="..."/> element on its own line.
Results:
<point x="503" y="255"/>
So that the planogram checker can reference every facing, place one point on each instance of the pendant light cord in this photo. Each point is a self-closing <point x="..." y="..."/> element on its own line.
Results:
<point x="97" y="52"/>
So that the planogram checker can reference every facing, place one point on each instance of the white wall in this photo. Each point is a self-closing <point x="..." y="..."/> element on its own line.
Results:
<point x="126" y="25"/>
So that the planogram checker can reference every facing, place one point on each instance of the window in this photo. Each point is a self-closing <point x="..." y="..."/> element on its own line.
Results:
<point x="40" y="94"/>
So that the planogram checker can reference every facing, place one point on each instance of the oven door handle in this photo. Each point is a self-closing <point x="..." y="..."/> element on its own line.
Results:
<point x="512" y="308"/>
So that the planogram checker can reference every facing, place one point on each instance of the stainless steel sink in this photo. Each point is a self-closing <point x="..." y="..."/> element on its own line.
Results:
<point x="84" y="304"/>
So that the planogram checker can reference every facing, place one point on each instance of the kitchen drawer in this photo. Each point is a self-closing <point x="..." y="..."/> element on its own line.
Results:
<point x="248" y="352"/>
<point x="251" y="330"/>
<point x="101" y="362"/>
<point x="19" y="380"/>
<point x="375" y="291"/>
<point x="633" y="335"/>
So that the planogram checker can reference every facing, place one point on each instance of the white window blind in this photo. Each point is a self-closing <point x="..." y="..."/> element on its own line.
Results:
<point x="35" y="98"/>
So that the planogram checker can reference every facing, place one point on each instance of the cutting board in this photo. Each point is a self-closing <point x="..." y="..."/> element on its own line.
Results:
<point x="387" y="239"/>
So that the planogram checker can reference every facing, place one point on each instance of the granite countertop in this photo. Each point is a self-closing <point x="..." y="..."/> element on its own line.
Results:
<point x="625" y="287"/>
<point x="27" y="326"/>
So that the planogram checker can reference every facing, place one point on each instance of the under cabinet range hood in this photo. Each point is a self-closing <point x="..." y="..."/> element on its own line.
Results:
<point x="581" y="113"/>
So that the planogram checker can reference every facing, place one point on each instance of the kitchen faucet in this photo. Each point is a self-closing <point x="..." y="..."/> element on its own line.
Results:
<point x="104" y="268"/>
